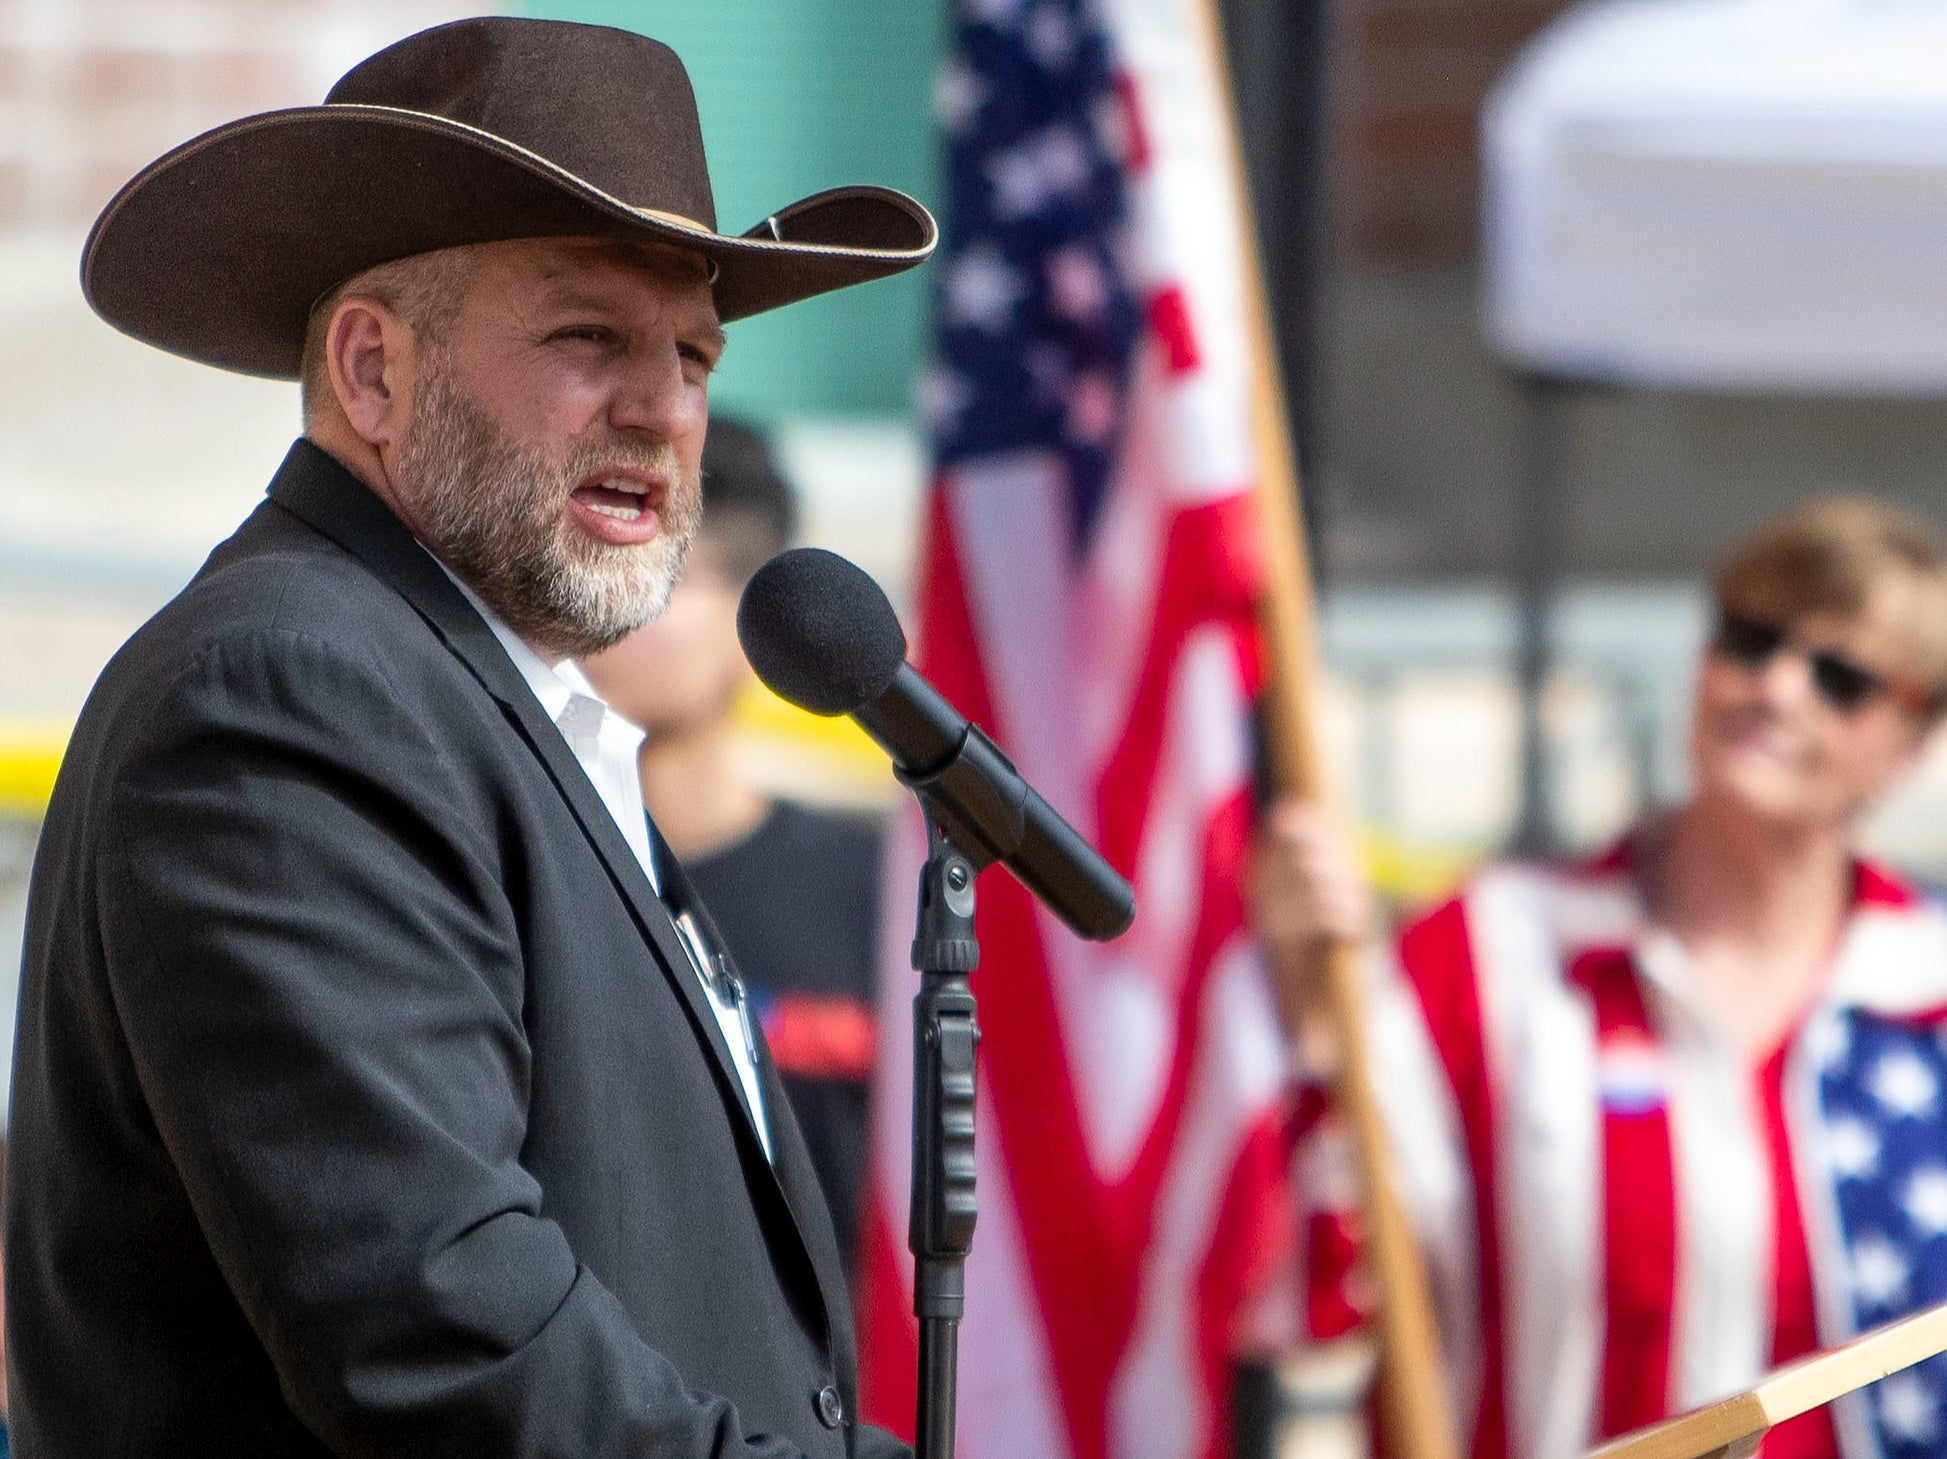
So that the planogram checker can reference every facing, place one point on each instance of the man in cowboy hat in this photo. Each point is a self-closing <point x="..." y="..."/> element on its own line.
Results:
<point x="380" y="1088"/>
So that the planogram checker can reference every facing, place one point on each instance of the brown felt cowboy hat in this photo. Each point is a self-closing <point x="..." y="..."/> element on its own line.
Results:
<point x="467" y="133"/>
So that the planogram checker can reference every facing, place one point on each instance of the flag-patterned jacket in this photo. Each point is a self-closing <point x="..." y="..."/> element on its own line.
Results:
<point x="1623" y="1217"/>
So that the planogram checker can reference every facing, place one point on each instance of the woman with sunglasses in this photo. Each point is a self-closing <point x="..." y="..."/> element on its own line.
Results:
<point x="1676" y="1115"/>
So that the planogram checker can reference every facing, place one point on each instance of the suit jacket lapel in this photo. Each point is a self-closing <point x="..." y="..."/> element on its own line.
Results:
<point x="797" y="1178"/>
<point x="313" y="486"/>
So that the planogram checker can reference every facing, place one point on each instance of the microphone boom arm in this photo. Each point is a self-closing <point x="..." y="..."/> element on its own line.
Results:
<point x="992" y="813"/>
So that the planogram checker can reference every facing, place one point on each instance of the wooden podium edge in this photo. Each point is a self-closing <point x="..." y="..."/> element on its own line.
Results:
<point x="1734" y="1425"/>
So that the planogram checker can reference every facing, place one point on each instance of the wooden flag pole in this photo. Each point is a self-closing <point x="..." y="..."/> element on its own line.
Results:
<point x="1734" y="1427"/>
<point x="1417" y="1416"/>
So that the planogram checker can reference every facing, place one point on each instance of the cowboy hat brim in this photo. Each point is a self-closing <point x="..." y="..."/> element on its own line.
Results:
<point x="217" y="250"/>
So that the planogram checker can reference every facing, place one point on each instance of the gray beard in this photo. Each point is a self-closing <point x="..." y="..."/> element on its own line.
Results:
<point x="496" y="514"/>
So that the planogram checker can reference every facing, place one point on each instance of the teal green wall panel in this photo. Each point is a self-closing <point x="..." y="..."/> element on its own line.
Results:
<point x="796" y="96"/>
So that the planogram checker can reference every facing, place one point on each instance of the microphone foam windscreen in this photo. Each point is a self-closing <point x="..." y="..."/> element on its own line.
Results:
<point x="819" y="632"/>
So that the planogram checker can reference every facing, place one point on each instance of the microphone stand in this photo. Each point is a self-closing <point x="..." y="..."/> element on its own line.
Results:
<point x="945" y="1035"/>
<point x="974" y="817"/>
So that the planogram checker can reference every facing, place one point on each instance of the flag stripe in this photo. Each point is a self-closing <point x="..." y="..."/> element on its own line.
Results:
<point x="1451" y="1007"/>
<point x="1200" y="542"/>
<point x="1070" y="1236"/>
<point x="1794" y="1324"/>
<point x="1638" y="1201"/>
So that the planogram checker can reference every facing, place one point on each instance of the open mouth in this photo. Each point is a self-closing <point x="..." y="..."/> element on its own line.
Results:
<point x="620" y="497"/>
<point x="621" y="505"/>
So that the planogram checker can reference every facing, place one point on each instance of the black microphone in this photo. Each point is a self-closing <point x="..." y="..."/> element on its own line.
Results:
<point x="821" y="634"/>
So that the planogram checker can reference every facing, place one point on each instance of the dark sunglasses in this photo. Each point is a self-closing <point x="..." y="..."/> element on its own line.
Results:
<point x="1846" y="685"/>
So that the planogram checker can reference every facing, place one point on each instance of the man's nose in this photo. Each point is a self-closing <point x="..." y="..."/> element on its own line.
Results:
<point x="653" y="394"/>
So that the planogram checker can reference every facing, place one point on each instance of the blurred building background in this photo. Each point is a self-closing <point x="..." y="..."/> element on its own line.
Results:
<point x="120" y="467"/>
<point x="1822" y="122"/>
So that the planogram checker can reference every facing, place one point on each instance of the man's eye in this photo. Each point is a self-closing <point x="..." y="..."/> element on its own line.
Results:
<point x="587" y="334"/>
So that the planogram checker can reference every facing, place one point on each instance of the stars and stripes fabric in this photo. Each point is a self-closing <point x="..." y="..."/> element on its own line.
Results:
<point x="1623" y="1218"/>
<point x="1090" y="569"/>
<point x="1885" y="1113"/>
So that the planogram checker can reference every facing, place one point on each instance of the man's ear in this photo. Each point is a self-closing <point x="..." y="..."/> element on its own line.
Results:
<point x="371" y="355"/>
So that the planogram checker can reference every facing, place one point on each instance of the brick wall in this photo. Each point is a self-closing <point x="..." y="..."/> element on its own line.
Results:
<point x="119" y="465"/>
<point x="1411" y="78"/>
<point x="90" y="90"/>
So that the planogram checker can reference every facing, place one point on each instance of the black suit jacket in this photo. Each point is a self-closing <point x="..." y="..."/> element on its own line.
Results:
<point x="364" y="1100"/>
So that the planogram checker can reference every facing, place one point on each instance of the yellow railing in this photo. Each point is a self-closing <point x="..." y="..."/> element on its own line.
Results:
<point x="30" y="755"/>
<point x="835" y="750"/>
<point x="1411" y="874"/>
<point x="805" y="753"/>
<point x="760" y="713"/>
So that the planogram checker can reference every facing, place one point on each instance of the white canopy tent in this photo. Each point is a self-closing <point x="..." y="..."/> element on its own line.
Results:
<point x="1742" y="195"/>
<point x="1739" y="196"/>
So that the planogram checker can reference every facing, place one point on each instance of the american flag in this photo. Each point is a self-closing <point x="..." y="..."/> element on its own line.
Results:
<point x="1625" y="1216"/>
<point x="1086" y="594"/>
<point x="1885" y="1117"/>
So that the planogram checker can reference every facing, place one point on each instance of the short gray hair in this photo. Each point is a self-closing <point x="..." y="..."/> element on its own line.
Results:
<point x="424" y="289"/>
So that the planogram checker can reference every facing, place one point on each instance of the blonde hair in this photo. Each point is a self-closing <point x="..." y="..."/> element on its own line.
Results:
<point x="424" y="289"/>
<point x="1846" y="556"/>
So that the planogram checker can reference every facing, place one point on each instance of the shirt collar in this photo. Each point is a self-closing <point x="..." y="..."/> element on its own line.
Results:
<point x="603" y="743"/>
<point x="559" y="687"/>
<point x="1890" y="958"/>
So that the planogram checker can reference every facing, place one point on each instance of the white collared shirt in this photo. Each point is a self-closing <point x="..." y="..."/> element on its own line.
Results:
<point x="605" y="745"/>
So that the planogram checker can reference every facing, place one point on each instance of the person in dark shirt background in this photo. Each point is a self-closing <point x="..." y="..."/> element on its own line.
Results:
<point x="793" y="888"/>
